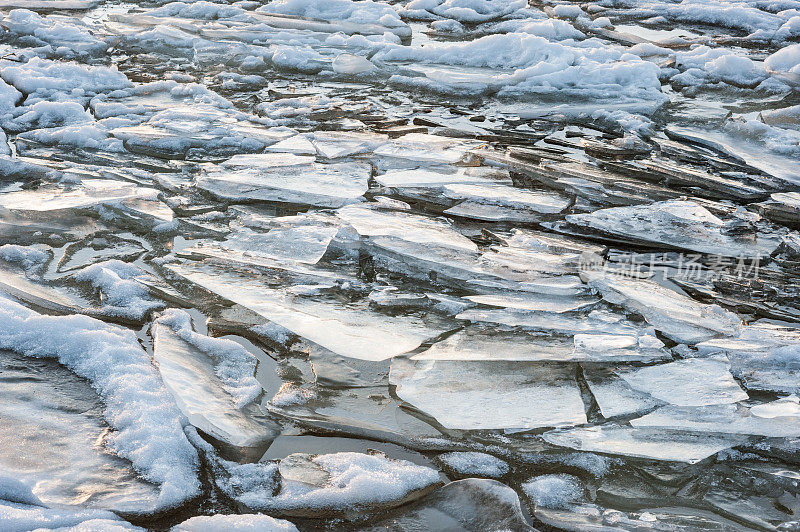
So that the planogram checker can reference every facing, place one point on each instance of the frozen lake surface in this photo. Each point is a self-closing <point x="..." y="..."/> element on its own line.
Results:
<point x="411" y="265"/>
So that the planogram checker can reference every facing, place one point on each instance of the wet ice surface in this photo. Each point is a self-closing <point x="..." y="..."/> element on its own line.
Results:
<point x="429" y="264"/>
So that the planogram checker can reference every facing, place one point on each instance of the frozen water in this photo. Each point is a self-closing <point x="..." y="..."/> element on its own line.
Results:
<point x="352" y="482"/>
<point x="475" y="464"/>
<point x="56" y="418"/>
<point x="477" y="344"/>
<point x="189" y="373"/>
<point x="469" y="504"/>
<point x="689" y="382"/>
<point x="681" y="224"/>
<point x="399" y="227"/>
<point x="780" y="418"/>
<point x="346" y="330"/>
<point x="490" y="394"/>
<point x="656" y="444"/>
<point x="615" y="396"/>
<point x="286" y="178"/>
<point x="235" y="523"/>
<point x="764" y="356"/>
<point x="679" y="317"/>
<point x="148" y="429"/>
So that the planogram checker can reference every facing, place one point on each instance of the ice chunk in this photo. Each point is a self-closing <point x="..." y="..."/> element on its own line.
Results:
<point x="534" y="302"/>
<point x="778" y="419"/>
<point x="357" y="13"/>
<point x="20" y="517"/>
<point x="688" y="382"/>
<point x="677" y="316"/>
<point x="147" y="426"/>
<point x="123" y="296"/>
<point x="363" y="412"/>
<point x="51" y="423"/>
<point x="44" y="76"/>
<point x="490" y="395"/>
<point x="503" y="203"/>
<point x="519" y="63"/>
<point x="678" y="224"/>
<point x="286" y="178"/>
<point x="764" y="356"/>
<point x="372" y="222"/>
<point x="196" y="131"/>
<point x="68" y="37"/>
<point x="471" y="464"/>
<point x="209" y="402"/>
<point x="344" y="329"/>
<point x="655" y="444"/>
<point x="234" y="523"/>
<point x="469" y="504"/>
<point x="614" y="396"/>
<point x="285" y="243"/>
<point x="554" y="491"/>
<point x="785" y="63"/>
<point x="353" y="483"/>
<point x="478" y="344"/>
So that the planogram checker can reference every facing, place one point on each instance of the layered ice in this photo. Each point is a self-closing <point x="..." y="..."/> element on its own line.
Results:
<point x="474" y="395"/>
<point x="147" y="427"/>
<point x="679" y="317"/>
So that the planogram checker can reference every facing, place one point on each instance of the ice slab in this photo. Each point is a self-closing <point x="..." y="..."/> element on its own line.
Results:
<point x="345" y="483"/>
<point x="372" y="222"/>
<point x="368" y="412"/>
<point x="534" y="302"/>
<point x="470" y="463"/>
<point x="688" y="382"/>
<point x="678" y="224"/>
<point x="52" y="423"/>
<point x="479" y="344"/>
<point x="653" y="444"/>
<point x="342" y="328"/>
<point x="475" y="395"/>
<point x="293" y="243"/>
<point x="614" y="396"/>
<point x="777" y="419"/>
<point x="469" y="504"/>
<point x="286" y="178"/>
<point x="188" y="373"/>
<point x="764" y="356"/>
<point x="503" y="203"/>
<point x="679" y="317"/>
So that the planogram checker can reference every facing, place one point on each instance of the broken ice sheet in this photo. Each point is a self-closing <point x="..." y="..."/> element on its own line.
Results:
<point x="469" y="504"/>
<point x="368" y="412"/>
<point x="370" y="221"/>
<point x="346" y="484"/>
<point x="481" y="344"/>
<point x="292" y="242"/>
<point x="655" y="444"/>
<point x="350" y="330"/>
<point x="52" y="423"/>
<point x="503" y="203"/>
<point x="677" y="224"/>
<point x="688" y="382"/>
<point x="197" y="131"/>
<point x="764" y="356"/>
<point x="776" y="419"/>
<point x="286" y="178"/>
<point x="614" y="396"/>
<point x="189" y="374"/>
<point x="113" y="201"/>
<point x="534" y="302"/>
<point x="474" y="395"/>
<point x="677" y="316"/>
